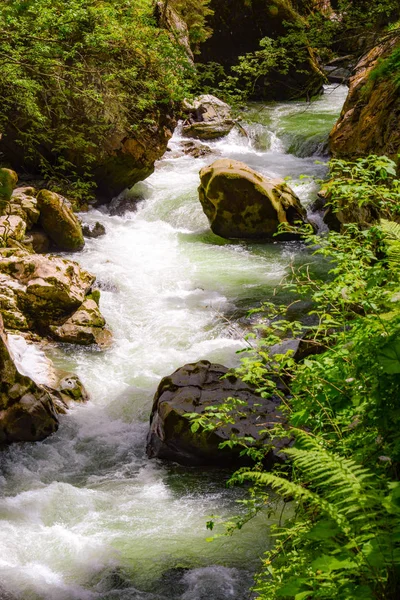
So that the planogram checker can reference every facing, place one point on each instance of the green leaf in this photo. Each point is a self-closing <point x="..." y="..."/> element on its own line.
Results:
<point x="389" y="357"/>
<point x="331" y="563"/>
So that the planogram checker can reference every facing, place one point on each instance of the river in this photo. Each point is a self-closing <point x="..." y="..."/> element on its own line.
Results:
<point x="85" y="515"/>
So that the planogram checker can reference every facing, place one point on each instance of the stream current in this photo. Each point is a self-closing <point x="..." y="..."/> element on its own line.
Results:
<point x="84" y="514"/>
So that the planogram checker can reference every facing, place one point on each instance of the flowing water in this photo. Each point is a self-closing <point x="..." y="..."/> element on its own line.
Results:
<point x="85" y="515"/>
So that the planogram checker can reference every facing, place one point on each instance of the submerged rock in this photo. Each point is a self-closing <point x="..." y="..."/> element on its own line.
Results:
<point x="208" y="118"/>
<point x="370" y="119"/>
<point x="241" y="203"/>
<point x="193" y="388"/>
<point x="94" y="231"/>
<point x="59" y="221"/>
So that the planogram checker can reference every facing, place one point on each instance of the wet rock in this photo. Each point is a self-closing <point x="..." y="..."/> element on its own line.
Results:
<point x="59" y="221"/>
<point x="207" y="118"/>
<point x="196" y="149"/>
<point x="8" y="181"/>
<point x="241" y="203"/>
<point x="193" y="388"/>
<point x="86" y="326"/>
<point x="93" y="231"/>
<point x="370" y="119"/>
<point x="27" y="411"/>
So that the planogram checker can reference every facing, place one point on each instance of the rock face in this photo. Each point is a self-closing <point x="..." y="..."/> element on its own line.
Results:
<point x="207" y="118"/>
<point x="238" y="28"/>
<point x="59" y="222"/>
<point x="370" y="119"/>
<point x="193" y="388"/>
<point x="241" y="203"/>
<point x="27" y="410"/>
<point x="168" y="19"/>
<point x="127" y="158"/>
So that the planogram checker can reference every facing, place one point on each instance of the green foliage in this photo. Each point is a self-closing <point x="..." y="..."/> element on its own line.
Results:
<point x="195" y="13"/>
<point x="388" y="68"/>
<point x="369" y="181"/>
<point x="73" y="74"/>
<point x="342" y="405"/>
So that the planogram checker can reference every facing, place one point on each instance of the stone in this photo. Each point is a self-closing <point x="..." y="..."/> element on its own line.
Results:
<point x="93" y="231"/>
<point x="193" y="388"/>
<point x="207" y="118"/>
<point x="39" y="241"/>
<point x="24" y="203"/>
<point x="8" y="181"/>
<point x="241" y="203"/>
<point x="12" y="227"/>
<point x="47" y="288"/>
<point x="27" y="411"/>
<point x="370" y="119"/>
<point x="59" y="222"/>
<point x="86" y="326"/>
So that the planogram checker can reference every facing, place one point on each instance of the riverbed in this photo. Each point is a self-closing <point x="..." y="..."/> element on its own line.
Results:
<point x="85" y="515"/>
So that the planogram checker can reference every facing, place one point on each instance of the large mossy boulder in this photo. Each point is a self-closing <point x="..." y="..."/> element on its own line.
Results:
<point x="59" y="222"/>
<point x="192" y="389"/>
<point x="207" y="118"/>
<point x="241" y="203"/>
<point x="27" y="410"/>
<point x="370" y="119"/>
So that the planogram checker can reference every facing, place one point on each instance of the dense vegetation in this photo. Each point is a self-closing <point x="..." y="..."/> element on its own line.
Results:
<point x="75" y="74"/>
<point x="342" y="403"/>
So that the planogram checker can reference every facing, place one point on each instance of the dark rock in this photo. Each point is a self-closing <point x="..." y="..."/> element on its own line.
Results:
<point x="238" y="28"/>
<point x="193" y="388"/>
<point x="196" y="149"/>
<point x="94" y="231"/>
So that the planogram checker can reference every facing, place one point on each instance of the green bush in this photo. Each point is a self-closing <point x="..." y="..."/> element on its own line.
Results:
<point x="75" y="73"/>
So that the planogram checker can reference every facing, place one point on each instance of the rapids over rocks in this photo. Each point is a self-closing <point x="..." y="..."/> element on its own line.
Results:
<point x="85" y="515"/>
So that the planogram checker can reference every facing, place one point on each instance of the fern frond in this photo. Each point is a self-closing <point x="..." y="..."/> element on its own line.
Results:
<point x="391" y="231"/>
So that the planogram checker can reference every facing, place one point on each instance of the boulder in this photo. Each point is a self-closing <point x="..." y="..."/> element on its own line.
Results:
<point x="94" y="231"/>
<point x="8" y="181"/>
<point x="241" y="203"/>
<point x="370" y="119"/>
<point x="86" y="326"/>
<point x="207" y="118"/>
<point x="59" y="221"/>
<point x="23" y="202"/>
<point x="46" y="288"/>
<point x="27" y="410"/>
<point x="38" y="240"/>
<point x="192" y="389"/>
